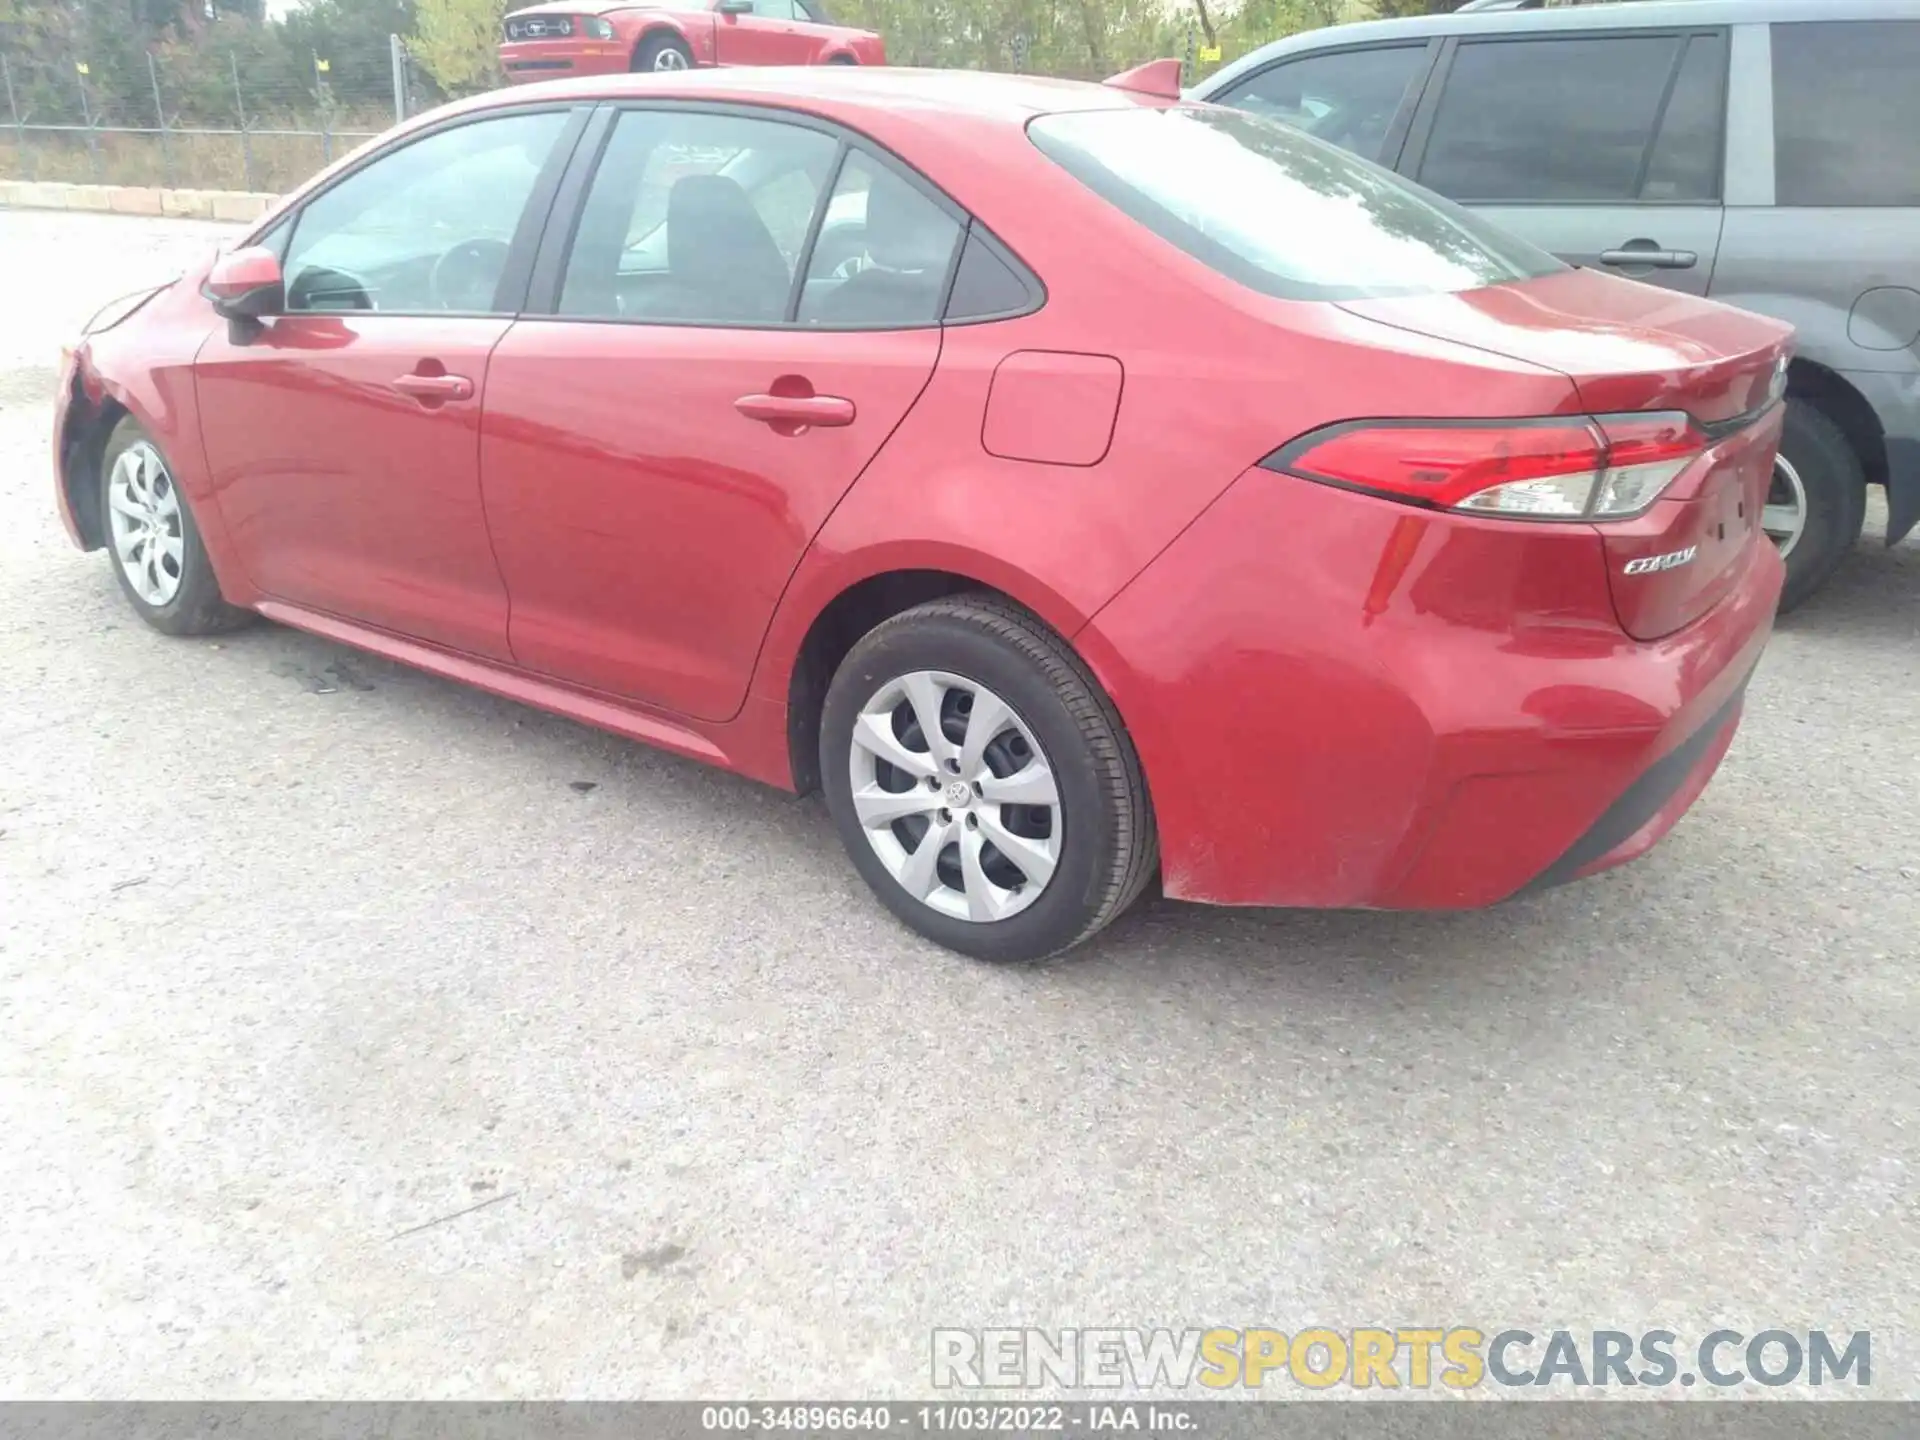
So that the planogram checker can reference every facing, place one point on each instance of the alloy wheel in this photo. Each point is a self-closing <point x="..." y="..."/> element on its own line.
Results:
<point x="144" y="510"/>
<point x="955" y="796"/>
<point x="1785" y="516"/>
<point x="669" y="59"/>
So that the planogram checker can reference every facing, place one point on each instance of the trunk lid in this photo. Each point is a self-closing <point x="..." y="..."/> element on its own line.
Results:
<point x="1628" y="348"/>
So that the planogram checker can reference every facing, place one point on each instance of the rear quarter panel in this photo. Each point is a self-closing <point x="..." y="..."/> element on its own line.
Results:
<point x="1214" y="377"/>
<point x="1812" y="267"/>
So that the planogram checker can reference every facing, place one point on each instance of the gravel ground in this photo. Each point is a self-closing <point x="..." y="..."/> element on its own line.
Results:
<point x="301" y="952"/>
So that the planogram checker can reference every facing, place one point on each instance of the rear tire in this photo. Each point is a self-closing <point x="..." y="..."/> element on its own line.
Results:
<point x="1821" y="477"/>
<point x="152" y="543"/>
<point x="663" y="53"/>
<point x="1056" y="741"/>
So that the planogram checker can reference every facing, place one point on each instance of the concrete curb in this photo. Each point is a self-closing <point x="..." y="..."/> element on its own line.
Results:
<point x="232" y="205"/>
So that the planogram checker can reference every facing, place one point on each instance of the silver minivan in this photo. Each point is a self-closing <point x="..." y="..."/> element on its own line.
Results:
<point x="1763" y="152"/>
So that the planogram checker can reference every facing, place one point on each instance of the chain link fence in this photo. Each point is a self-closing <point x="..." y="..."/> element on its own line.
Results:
<point x="198" y="120"/>
<point x="219" y="100"/>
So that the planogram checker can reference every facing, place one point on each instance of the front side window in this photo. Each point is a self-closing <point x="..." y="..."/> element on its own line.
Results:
<point x="1279" y="211"/>
<point x="696" y="218"/>
<point x="1569" y="119"/>
<point x="1846" y="112"/>
<point x="1348" y="98"/>
<point x="425" y="228"/>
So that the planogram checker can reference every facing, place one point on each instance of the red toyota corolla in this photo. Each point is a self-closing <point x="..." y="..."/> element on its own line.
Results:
<point x="1079" y="486"/>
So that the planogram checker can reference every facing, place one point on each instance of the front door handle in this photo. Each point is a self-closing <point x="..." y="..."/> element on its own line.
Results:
<point x="790" y="413"/>
<point x="435" y="389"/>
<point x="1645" y="252"/>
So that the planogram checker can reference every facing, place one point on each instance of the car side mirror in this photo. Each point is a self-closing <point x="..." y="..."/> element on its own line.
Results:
<point x="246" y="284"/>
<point x="735" y="7"/>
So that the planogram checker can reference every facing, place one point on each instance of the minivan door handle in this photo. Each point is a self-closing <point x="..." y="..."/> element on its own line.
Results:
<point x="1646" y="252"/>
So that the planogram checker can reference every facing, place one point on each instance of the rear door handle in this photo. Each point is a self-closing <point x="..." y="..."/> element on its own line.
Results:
<point x="781" y="411"/>
<point x="435" y="389"/>
<point x="1652" y="256"/>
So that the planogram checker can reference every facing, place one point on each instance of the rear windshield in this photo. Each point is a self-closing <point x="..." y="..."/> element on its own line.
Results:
<point x="1277" y="210"/>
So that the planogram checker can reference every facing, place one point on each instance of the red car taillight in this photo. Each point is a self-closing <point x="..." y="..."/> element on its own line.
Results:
<point x="1603" y="468"/>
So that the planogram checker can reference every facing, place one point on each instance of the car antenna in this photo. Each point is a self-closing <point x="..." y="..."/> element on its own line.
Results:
<point x="1156" y="77"/>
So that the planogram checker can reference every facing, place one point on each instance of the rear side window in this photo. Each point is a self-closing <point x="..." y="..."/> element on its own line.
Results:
<point x="696" y="218"/>
<point x="1348" y="98"/>
<point x="1595" y="119"/>
<point x="1279" y="211"/>
<point x="902" y="247"/>
<point x="1846" y="113"/>
<point x="987" y="286"/>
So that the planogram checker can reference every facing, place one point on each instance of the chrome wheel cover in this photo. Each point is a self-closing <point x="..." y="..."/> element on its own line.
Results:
<point x="955" y="795"/>
<point x="1785" y="516"/>
<point x="148" y="529"/>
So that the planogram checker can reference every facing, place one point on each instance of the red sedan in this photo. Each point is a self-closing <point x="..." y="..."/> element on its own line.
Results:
<point x="543" y="42"/>
<point x="1079" y="486"/>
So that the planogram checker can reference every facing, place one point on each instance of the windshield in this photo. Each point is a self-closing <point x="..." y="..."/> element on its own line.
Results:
<point x="1279" y="211"/>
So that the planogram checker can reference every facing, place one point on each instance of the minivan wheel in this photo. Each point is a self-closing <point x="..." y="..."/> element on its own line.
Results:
<point x="982" y="783"/>
<point x="1817" y="502"/>
<point x="154" y="546"/>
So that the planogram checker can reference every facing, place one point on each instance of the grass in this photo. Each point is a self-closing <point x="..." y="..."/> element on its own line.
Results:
<point x="181" y="159"/>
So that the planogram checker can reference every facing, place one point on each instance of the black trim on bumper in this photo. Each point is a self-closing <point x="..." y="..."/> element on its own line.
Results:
<point x="1642" y="801"/>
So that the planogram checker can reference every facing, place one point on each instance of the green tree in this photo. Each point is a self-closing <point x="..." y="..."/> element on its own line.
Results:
<point x="1391" y="8"/>
<point x="455" y="42"/>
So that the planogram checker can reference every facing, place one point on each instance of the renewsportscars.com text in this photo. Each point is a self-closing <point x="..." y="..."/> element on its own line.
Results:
<point x="1402" y="1357"/>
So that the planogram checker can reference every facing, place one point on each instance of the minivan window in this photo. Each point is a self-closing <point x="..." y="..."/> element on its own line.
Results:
<point x="1551" y="120"/>
<point x="1279" y="211"/>
<point x="1846" y="112"/>
<point x="1348" y="97"/>
<point x="1685" y="161"/>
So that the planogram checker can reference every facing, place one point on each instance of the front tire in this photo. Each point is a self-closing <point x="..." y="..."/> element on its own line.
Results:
<point x="152" y="542"/>
<point x="1818" y="500"/>
<point x="666" y="53"/>
<point x="983" y="785"/>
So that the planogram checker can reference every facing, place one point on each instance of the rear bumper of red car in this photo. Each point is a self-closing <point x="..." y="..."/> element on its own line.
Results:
<point x="1339" y="702"/>
<point x="1651" y="806"/>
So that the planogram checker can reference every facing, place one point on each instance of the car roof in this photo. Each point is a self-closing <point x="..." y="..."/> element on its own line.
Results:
<point x="844" y="91"/>
<point x="1618" y="15"/>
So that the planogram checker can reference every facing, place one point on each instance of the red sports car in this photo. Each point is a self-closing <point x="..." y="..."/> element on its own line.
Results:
<point x="1078" y="485"/>
<point x="544" y="42"/>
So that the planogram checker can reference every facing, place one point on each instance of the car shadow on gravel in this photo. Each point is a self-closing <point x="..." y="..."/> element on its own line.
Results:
<point x="1873" y="597"/>
<point x="1545" y="953"/>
